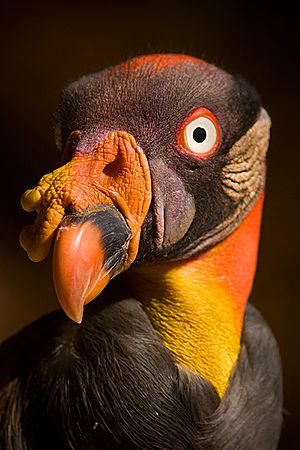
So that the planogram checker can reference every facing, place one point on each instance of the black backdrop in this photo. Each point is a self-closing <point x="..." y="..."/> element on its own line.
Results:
<point x="44" y="47"/>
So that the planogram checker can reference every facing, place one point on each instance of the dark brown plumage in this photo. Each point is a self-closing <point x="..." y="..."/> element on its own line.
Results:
<point x="111" y="384"/>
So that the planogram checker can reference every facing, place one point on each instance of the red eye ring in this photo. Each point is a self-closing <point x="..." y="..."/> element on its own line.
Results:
<point x="200" y="133"/>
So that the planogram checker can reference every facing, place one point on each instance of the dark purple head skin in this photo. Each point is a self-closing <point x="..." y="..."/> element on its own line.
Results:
<point x="150" y="97"/>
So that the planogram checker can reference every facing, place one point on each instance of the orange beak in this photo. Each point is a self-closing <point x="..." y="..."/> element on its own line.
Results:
<point x="93" y="209"/>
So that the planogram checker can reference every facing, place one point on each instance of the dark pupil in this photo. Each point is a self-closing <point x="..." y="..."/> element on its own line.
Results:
<point x="199" y="134"/>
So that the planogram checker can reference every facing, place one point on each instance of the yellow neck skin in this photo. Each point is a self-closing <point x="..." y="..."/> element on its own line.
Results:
<point x="197" y="306"/>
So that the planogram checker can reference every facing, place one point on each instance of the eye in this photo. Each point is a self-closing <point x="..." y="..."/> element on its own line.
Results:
<point x="200" y="133"/>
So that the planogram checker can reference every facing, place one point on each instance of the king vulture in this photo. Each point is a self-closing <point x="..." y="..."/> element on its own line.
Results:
<point x="159" y="196"/>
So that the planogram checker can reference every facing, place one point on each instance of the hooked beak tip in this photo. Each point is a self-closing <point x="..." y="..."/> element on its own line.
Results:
<point x="76" y="316"/>
<point x="90" y="248"/>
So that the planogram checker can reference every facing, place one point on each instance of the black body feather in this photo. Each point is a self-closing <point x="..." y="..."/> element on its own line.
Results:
<point x="111" y="384"/>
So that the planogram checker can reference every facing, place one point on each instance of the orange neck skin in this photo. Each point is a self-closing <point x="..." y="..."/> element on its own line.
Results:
<point x="197" y="306"/>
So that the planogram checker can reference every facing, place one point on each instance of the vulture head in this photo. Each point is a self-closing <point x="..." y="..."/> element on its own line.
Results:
<point x="162" y="177"/>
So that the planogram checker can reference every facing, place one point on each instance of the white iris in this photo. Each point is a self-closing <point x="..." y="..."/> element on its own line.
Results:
<point x="200" y="135"/>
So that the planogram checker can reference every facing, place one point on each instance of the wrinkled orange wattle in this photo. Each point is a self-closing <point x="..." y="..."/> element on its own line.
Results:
<point x="113" y="172"/>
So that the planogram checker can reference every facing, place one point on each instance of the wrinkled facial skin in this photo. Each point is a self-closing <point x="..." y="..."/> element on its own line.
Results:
<point x="195" y="202"/>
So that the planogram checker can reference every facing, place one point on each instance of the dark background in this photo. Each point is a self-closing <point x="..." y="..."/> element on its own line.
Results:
<point x="45" y="47"/>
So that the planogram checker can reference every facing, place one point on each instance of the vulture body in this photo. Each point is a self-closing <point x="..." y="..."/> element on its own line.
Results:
<point x="157" y="203"/>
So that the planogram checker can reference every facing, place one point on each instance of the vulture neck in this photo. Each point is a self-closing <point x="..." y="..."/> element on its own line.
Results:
<point x="197" y="306"/>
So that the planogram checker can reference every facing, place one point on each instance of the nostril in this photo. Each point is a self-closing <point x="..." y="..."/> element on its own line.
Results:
<point x="112" y="169"/>
<point x="70" y="147"/>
